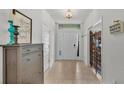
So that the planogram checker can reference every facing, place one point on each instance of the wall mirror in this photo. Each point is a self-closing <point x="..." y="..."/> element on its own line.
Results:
<point x="25" y="29"/>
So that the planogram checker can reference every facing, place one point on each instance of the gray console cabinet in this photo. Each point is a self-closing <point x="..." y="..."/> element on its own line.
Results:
<point x="23" y="64"/>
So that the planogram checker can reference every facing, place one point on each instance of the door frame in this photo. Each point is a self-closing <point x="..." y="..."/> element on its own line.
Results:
<point x="88" y="44"/>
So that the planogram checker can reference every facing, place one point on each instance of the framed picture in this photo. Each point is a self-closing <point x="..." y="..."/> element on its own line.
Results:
<point x="25" y="29"/>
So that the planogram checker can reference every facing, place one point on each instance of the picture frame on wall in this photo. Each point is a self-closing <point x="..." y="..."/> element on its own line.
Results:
<point x="25" y="29"/>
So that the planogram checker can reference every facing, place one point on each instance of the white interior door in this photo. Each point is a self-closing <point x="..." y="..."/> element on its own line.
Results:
<point x="67" y="45"/>
<point x="70" y="45"/>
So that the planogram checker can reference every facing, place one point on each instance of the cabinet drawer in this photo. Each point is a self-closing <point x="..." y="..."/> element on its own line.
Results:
<point x="32" y="68"/>
<point x="29" y="49"/>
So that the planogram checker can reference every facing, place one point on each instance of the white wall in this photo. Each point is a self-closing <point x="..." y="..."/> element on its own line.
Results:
<point x="112" y="45"/>
<point x="113" y="48"/>
<point x="81" y="52"/>
<point x="4" y="16"/>
<point x="4" y="35"/>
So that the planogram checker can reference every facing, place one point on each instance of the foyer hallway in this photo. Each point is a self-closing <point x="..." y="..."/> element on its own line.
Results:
<point x="70" y="72"/>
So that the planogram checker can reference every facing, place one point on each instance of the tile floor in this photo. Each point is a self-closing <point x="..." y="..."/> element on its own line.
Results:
<point x="70" y="72"/>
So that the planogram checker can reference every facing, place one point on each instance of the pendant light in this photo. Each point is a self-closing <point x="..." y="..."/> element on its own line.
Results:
<point x="68" y="14"/>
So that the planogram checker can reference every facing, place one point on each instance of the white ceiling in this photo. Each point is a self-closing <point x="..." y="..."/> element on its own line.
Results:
<point x="78" y="15"/>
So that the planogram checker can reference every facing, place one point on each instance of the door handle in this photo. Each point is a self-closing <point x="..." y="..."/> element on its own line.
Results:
<point x="74" y="45"/>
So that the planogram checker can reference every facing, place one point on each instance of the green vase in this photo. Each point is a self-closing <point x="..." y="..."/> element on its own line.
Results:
<point x="11" y="31"/>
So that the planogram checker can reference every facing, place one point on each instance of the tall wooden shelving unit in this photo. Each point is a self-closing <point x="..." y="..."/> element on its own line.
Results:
<point x="95" y="51"/>
<point x="98" y="52"/>
<point x="95" y="48"/>
<point x="92" y="49"/>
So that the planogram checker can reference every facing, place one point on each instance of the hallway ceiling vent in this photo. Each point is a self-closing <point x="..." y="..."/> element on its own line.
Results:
<point x="69" y="26"/>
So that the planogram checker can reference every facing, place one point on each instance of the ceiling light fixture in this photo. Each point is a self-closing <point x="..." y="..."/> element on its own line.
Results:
<point x="68" y="14"/>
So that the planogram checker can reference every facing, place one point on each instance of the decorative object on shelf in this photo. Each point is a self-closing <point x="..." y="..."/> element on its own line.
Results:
<point x="68" y="14"/>
<point x="11" y="31"/>
<point x="118" y="26"/>
<point x="25" y="29"/>
<point x="16" y="33"/>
